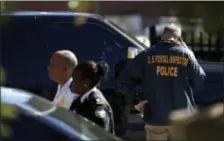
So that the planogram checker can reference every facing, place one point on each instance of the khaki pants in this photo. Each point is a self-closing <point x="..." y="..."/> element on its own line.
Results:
<point x="155" y="133"/>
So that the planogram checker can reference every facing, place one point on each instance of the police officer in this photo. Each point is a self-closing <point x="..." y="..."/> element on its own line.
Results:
<point x="60" y="70"/>
<point x="91" y="103"/>
<point x="169" y="73"/>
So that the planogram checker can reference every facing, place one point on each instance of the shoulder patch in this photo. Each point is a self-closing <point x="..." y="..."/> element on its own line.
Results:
<point x="98" y="101"/>
<point x="100" y="112"/>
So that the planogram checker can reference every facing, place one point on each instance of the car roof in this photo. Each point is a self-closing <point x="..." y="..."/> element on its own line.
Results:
<point x="52" y="13"/>
<point x="14" y="96"/>
<point x="26" y="101"/>
<point x="90" y="16"/>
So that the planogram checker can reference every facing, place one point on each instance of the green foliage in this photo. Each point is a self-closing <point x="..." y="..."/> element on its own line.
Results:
<point x="211" y="13"/>
<point x="7" y="112"/>
<point x="2" y="76"/>
<point x="80" y="6"/>
<point x="2" y="5"/>
<point x="6" y="6"/>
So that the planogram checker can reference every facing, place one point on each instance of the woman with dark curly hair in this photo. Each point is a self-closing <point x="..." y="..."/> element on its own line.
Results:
<point x="91" y="103"/>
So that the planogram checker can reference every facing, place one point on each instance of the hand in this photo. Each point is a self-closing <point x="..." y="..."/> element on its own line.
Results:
<point x="140" y="106"/>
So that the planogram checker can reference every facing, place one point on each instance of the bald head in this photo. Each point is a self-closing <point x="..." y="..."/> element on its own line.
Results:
<point x="68" y="57"/>
<point x="61" y="66"/>
<point x="171" y="32"/>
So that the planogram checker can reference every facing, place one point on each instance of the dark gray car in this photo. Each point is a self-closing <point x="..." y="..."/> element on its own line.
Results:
<point x="39" y="119"/>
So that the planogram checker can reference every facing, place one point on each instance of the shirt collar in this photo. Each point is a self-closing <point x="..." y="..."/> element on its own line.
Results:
<point x="67" y="83"/>
<point x="85" y="95"/>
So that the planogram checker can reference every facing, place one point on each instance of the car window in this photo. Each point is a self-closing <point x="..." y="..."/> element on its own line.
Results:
<point x="34" y="39"/>
<point x="25" y="53"/>
<point x="102" y="41"/>
<point x="139" y="44"/>
<point x="89" y="41"/>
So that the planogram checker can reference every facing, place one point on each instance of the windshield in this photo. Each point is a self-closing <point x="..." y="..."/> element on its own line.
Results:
<point x="127" y="34"/>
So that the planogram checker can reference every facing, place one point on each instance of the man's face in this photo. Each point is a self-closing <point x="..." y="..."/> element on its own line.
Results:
<point x="56" y="68"/>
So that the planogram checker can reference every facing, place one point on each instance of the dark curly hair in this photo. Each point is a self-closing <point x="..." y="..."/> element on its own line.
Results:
<point x="93" y="71"/>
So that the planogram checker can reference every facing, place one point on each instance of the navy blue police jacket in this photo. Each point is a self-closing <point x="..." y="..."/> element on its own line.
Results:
<point x="169" y="73"/>
<point x="96" y="109"/>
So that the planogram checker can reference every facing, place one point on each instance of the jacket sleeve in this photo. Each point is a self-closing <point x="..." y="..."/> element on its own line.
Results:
<point x="196" y="73"/>
<point x="130" y="77"/>
<point x="101" y="117"/>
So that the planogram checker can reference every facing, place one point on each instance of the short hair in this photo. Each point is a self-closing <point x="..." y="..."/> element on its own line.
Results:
<point x="174" y="29"/>
<point x="70" y="57"/>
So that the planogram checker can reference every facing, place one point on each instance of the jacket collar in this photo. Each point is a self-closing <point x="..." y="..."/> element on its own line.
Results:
<point x="85" y="96"/>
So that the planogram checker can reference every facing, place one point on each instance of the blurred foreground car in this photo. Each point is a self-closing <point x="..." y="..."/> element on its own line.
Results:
<point x="39" y="119"/>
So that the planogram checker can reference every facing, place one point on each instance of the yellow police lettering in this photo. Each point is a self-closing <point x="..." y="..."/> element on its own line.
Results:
<point x="167" y="71"/>
<point x="161" y="58"/>
<point x="178" y="60"/>
<point x="149" y="59"/>
<point x="153" y="59"/>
